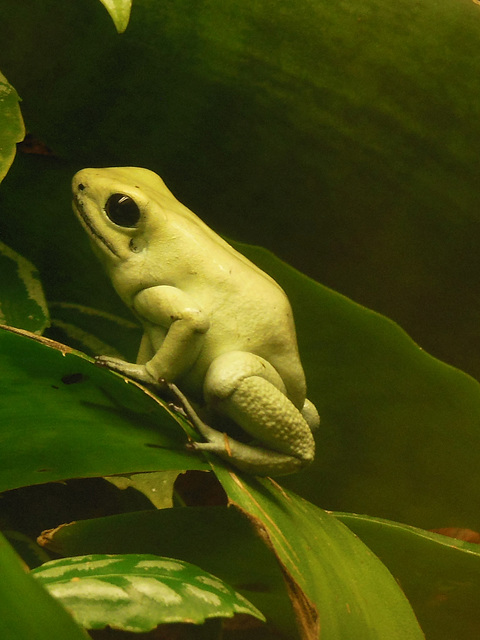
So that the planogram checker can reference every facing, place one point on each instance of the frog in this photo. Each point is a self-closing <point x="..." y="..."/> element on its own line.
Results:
<point x="216" y="328"/>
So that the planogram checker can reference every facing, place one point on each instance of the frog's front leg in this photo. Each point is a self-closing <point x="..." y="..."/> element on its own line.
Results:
<point x="248" y="390"/>
<point x="168" y="311"/>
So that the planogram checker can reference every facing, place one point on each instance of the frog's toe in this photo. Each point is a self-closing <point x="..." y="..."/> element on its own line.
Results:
<point x="135" y="371"/>
<point x="108" y="361"/>
<point x="213" y="447"/>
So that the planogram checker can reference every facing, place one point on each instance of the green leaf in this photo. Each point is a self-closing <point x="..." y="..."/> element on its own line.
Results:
<point x="394" y="420"/>
<point x="22" y="302"/>
<point x="119" y="11"/>
<point x="26" y="609"/>
<point x="337" y="586"/>
<point x="138" y="592"/>
<point x="62" y="417"/>
<point x="219" y="539"/>
<point x="12" y="129"/>
<point x="440" y="576"/>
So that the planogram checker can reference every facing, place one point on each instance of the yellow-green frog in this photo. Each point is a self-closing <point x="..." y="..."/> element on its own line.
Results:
<point x="214" y="324"/>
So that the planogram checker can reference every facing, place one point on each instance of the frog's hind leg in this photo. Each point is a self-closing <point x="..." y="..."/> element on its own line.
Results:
<point x="248" y="390"/>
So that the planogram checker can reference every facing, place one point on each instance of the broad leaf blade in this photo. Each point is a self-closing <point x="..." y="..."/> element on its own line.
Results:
<point x="138" y="592"/>
<point x="439" y="575"/>
<point x="63" y="417"/>
<point x="394" y="420"/>
<point x="329" y="571"/>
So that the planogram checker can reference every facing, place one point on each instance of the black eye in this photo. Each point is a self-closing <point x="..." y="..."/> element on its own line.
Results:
<point x="122" y="210"/>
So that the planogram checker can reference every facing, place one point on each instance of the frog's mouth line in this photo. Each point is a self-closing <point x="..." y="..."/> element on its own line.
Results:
<point x="90" y="226"/>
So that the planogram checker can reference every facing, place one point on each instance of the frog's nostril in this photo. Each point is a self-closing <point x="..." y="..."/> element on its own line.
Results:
<point x="81" y="187"/>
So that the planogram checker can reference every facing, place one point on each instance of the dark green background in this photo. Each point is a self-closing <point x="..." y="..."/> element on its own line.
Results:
<point x="344" y="136"/>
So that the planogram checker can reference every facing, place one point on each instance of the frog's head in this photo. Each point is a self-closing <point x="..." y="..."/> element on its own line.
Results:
<point x="116" y="209"/>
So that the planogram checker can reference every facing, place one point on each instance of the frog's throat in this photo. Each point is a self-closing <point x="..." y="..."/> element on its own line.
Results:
<point x="92" y="229"/>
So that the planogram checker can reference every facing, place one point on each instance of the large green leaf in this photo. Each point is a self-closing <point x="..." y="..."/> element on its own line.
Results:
<point x="396" y="422"/>
<point x="338" y="587"/>
<point x="137" y="592"/>
<point x="63" y="417"/>
<point x="439" y="575"/>
<point x="27" y="612"/>
<point x="343" y="135"/>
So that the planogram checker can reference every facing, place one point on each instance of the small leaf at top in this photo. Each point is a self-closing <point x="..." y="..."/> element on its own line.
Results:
<point x="119" y="11"/>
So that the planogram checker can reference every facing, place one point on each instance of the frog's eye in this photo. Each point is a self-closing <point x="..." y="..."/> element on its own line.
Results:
<point x="122" y="210"/>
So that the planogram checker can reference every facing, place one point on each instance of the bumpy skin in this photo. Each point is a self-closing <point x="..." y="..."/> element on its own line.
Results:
<point x="214" y="324"/>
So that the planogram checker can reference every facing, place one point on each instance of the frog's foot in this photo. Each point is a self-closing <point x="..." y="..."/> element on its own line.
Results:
<point x="249" y="391"/>
<point x="256" y="460"/>
<point x="129" y="369"/>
